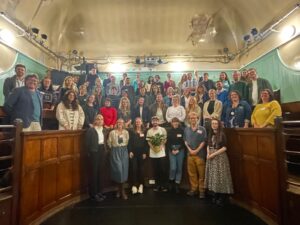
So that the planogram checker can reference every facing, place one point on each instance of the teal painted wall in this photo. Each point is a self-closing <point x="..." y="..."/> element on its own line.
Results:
<point x="176" y="76"/>
<point x="268" y="66"/>
<point x="280" y="76"/>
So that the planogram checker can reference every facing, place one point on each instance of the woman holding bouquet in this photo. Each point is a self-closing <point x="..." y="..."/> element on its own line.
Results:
<point x="118" y="141"/>
<point x="217" y="177"/>
<point x="156" y="137"/>
<point x="175" y="146"/>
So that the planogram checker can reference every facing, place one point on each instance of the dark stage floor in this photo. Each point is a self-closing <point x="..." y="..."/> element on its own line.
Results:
<point x="153" y="209"/>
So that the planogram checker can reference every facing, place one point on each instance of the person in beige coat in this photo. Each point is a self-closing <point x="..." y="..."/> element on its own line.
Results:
<point x="69" y="113"/>
<point x="212" y="108"/>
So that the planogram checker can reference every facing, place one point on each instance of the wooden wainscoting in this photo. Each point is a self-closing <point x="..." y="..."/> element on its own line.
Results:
<point x="253" y="156"/>
<point x="53" y="171"/>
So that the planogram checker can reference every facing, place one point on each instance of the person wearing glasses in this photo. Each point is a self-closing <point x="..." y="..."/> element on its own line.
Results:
<point x="26" y="103"/>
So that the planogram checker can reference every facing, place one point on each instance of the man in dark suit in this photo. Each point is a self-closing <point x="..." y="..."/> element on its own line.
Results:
<point x="142" y="111"/>
<point x="26" y="103"/>
<point x="15" y="81"/>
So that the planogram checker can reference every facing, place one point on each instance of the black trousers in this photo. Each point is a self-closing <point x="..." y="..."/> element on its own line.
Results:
<point x="159" y="166"/>
<point x="137" y="169"/>
<point x="96" y="159"/>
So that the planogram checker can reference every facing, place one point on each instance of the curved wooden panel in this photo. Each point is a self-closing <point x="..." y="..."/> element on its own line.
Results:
<point x="253" y="156"/>
<point x="53" y="171"/>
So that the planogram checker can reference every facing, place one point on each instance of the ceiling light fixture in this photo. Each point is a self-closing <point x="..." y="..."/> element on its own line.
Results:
<point x="297" y="65"/>
<point x="7" y="36"/>
<point x="287" y="32"/>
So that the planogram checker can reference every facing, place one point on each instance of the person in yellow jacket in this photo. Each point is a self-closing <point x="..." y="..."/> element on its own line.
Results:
<point x="266" y="111"/>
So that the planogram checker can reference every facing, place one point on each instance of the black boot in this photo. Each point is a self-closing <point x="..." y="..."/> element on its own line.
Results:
<point x="171" y="185"/>
<point x="221" y="200"/>
<point x="177" y="191"/>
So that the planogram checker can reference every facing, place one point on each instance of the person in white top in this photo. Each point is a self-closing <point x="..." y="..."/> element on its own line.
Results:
<point x="69" y="113"/>
<point x="176" y="110"/>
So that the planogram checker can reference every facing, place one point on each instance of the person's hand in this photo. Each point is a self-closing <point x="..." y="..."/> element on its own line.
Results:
<point x="175" y="152"/>
<point x="211" y="156"/>
<point x="131" y="155"/>
<point x="144" y="156"/>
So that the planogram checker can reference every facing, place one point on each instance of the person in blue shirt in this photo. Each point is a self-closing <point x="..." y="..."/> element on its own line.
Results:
<point x="222" y="93"/>
<point x="25" y="103"/>
<point x="237" y="113"/>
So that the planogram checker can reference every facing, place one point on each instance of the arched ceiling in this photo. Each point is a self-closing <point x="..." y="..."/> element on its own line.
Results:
<point x="141" y="27"/>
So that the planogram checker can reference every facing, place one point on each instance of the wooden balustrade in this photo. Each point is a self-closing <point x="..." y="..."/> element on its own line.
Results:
<point x="54" y="170"/>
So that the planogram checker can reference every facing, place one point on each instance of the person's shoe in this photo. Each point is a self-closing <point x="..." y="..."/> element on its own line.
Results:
<point x="220" y="202"/>
<point x="164" y="189"/>
<point x="201" y="195"/>
<point x="171" y="185"/>
<point x="156" y="189"/>
<point x="101" y="195"/>
<point x="97" y="198"/>
<point x="134" y="190"/>
<point x="124" y="196"/>
<point x="141" y="189"/>
<point x="214" y="200"/>
<point x="191" y="193"/>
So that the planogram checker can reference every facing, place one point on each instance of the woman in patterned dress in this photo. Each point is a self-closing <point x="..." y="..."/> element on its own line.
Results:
<point x="217" y="175"/>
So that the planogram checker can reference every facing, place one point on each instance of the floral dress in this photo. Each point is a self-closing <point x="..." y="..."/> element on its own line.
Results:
<point x="217" y="174"/>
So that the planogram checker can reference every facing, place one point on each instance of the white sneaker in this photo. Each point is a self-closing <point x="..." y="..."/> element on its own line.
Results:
<point x="141" y="189"/>
<point x="134" y="190"/>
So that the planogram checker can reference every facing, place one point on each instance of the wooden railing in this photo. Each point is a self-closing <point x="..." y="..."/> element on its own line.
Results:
<point x="290" y="170"/>
<point x="10" y="146"/>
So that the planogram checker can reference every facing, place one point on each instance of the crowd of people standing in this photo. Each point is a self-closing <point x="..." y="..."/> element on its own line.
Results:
<point x="137" y="119"/>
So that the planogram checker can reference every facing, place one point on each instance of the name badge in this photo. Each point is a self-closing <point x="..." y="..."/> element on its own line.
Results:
<point x="199" y="131"/>
<point x="142" y="135"/>
<point x="179" y="135"/>
<point x="232" y="113"/>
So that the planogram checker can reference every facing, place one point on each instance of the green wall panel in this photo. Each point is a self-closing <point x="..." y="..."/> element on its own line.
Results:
<point x="280" y="76"/>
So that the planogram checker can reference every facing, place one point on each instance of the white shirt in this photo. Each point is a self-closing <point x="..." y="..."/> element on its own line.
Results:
<point x="141" y="112"/>
<point x="100" y="135"/>
<point x="151" y="132"/>
<point x="20" y="83"/>
<point x="177" y="111"/>
<point x="254" y="92"/>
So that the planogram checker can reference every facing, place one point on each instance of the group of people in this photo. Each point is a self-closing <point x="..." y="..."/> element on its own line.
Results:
<point x="130" y="119"/>
<point x="207" y="162"/>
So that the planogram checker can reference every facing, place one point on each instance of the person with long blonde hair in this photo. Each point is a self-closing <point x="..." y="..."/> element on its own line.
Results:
<point x="193" y="107"/>
<point x="118" y="140"/>
<point x="124" y="111"/>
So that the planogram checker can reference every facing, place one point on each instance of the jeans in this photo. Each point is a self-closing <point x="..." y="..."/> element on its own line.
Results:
<point x="176" y="163"/>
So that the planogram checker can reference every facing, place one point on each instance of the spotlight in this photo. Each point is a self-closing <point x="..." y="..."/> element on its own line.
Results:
<point x="225" y="50"/>
<point x="254" y="32"/>
<point x="44" y="36"/>
<point x="247" y="38"/>
<point x="74" y="52"/>
<point x="35" y="30"/>
<point x="138" y="60"/>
